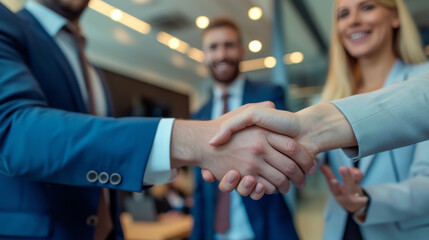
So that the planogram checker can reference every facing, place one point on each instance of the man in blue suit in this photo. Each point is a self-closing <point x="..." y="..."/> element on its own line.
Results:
<point x="58" y="148"/>
<point x="268" y="218"/>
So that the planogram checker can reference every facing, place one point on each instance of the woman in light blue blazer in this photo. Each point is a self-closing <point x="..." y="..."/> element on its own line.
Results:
<point x="374" y="44"/>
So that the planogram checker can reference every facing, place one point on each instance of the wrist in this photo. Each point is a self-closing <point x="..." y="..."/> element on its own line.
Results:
<point x="361" y="213"/>
<point x="189" y="141"/>
<point x="329" y="129"/>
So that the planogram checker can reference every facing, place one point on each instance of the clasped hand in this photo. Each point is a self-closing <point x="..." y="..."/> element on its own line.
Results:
<point x="277" y="140"/>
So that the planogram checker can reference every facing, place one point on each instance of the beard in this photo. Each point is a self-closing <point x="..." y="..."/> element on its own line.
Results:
<point x="227" y="76"/>
<point x="67" y="8"/>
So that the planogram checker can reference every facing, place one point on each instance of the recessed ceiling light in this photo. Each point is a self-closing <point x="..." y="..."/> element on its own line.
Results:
<point x="270" y="62"/>
<point x="116" y="14"/>
<point x="255" y="46"/>
<point x="255" y="13"/>
<point x="202" y="22"/>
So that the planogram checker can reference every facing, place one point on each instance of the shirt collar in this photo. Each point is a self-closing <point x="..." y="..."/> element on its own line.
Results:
<point x="51" y="21"/>
<point x="235" y="89"/>
<point x="396" y="73"/>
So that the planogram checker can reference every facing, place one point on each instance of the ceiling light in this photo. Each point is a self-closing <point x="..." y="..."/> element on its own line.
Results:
<point x="196" y="54"/>
<point x="116" y="14"/>
<point x="255" y="13"/>
<point x="141" y="1"/>
<point x="202" y="22"/>
<point x="296" y="57"/>
<point x="173" y="43"/>
<point x="255" y="46"/>
<point x="120" y="16"/>
<point x="270" y="62"/>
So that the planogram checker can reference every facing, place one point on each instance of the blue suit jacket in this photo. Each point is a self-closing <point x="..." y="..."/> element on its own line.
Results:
<point x="269" y="217"/>
<point x="47" y="146"/>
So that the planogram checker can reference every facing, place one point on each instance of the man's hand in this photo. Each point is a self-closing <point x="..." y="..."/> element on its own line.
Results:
<point x="316" y="129"/>
<point x="349" y="195"/>
<point x="253" y="151"/>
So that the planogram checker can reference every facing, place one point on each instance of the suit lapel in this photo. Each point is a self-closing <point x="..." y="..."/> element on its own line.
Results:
<point x="365" y="163"/>
<point x="206" y="111"/>
<point x="248" y="92"/>
<point x="58" y="60"/>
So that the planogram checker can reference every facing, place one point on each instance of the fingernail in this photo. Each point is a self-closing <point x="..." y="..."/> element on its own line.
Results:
<point x="344" y="170"/>
<point x="259" y="188"/>
<point x="212" y="140"/>
<point x="334" y="181"/>
<point x="247" y="183"/>
<point x="231" y="178"/>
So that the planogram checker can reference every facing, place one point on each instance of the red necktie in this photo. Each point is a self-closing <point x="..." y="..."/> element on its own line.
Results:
<point x="223" y="199"/>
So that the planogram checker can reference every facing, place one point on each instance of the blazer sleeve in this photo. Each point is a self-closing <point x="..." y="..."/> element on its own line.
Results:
<point x="392" y="117"/>
<point x="278" y="98"/>
<point x="45" y="144"/>
<point x="403" y="201"/>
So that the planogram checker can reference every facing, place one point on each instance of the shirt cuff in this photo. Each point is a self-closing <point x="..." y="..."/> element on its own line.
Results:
<point x="158" y="168"/>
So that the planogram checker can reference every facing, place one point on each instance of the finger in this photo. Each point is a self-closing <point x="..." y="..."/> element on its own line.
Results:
<point x="265" y="104"/>
<point x="296" y="153"/>
<point x="259" y="191"/>
<point x="230" y="181"/>
<point x="275" y="120"/>
<point x="331" y="180"/>
<point x="207" y="175"/>
<point x="286" y="166"/>
<point x="269" y="187"/>
<point x="348" y="182"/>
<point x="246" y="186"/>
<point x="357" y="175"/>
<point x="275" y="177"/>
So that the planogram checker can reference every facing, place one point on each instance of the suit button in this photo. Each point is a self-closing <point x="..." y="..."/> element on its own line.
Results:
<point x="115" y="179"/>
<point x="92" y="221"/>
<point x="92" y="176"/>
<point x="103" y="178"/>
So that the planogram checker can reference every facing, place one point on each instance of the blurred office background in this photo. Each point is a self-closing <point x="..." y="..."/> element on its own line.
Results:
<point x="151" y="53"/>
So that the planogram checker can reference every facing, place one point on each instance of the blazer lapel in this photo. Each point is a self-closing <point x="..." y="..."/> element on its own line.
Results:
<point x="58" y="58"/>
<point x="248" y="92"/>
<point x="365" y="163"/>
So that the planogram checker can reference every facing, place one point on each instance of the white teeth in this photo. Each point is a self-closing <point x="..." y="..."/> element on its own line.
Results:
<point x="358" y="35"/>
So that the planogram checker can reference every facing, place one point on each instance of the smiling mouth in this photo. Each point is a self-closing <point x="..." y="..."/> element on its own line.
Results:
<point x="358" y="35"/>
<point x="223" y="66"/>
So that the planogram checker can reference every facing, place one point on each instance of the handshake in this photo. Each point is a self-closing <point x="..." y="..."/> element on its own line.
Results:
<point x="257" y="149"/>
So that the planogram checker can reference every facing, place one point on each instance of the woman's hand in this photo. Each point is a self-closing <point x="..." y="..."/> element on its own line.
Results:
<point x="349" y="195"/>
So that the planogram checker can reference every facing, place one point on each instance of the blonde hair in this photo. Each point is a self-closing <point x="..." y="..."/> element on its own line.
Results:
<point x="343" y="73"/>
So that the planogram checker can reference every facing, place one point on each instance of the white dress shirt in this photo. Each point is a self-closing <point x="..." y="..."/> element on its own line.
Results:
<point x="240" y="228"/>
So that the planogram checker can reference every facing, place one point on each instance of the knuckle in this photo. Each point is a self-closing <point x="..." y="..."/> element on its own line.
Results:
<point x="291" y="169"/>
<point x="257" y="149"/>
<point x="292" y="147"/>
<point x="269" y="104"/>
<point x="252" y="167"/>
<point x="281" y="180"/>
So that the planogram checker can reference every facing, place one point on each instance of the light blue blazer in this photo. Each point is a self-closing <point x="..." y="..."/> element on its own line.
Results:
<point x="397" y="182"/>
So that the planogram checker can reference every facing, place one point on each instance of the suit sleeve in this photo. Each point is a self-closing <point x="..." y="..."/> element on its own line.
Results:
<point x="198" y="208"/>
<point x="392" y="117"/>
<point x="279" y="98"/>
<point x="405" y="201"/>
<point x="44" y="144"/>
